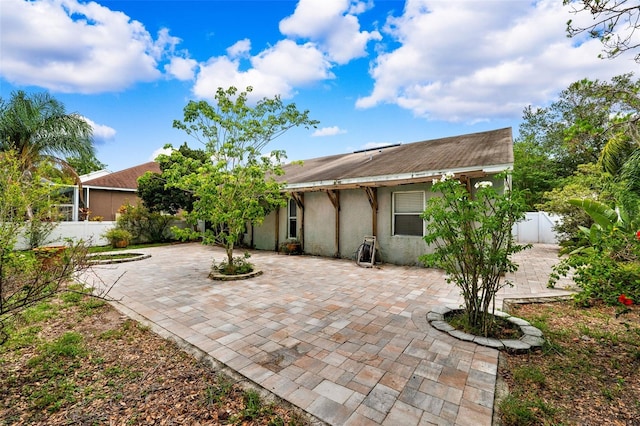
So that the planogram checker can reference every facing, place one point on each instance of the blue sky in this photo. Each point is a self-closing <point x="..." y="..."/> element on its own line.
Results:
<point x="372" y="72"/>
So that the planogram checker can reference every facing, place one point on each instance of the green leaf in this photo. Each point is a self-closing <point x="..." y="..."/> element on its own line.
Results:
<point x="601" y="214"/>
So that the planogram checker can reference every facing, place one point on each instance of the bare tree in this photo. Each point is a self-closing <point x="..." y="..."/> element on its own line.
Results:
<point x="614" y="24"/>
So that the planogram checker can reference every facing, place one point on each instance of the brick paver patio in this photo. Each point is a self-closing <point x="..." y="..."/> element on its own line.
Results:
<point x="349" y="345"/>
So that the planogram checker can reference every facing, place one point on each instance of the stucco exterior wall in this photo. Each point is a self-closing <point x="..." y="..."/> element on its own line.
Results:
<point x="355" y="221"/>
<point x="319" y="224"/>
<point x="398" y="249"/>
<point x="355" y="224"/>
<point x="264" y="236"/>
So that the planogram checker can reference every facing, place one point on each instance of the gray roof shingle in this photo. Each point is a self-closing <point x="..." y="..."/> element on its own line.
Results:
<point x="469" y="153"/>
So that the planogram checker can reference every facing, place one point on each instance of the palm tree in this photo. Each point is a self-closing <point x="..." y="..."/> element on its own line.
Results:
<point x="38" y="129"/>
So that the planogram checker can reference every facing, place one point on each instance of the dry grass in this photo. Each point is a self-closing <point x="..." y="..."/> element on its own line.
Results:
<point x="588" y="372"/>
<point x="76" y="360"/>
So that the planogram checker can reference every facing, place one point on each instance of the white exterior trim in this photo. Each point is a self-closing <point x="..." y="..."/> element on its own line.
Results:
<point x="496" y="168"/>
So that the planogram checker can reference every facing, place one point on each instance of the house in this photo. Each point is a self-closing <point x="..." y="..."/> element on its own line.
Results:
<point x="338" y="200"/>
<point x="104" y="194"/>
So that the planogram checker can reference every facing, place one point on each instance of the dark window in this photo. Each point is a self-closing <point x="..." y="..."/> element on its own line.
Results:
<point x="407" y="208"/>
<point x="292" y="219"/>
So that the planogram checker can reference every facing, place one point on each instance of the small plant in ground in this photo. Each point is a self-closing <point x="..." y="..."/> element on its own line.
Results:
<point x="253" y="405"/>
<point x="51" y="368"/>
<point x="472" y="241"/>
<point x="519" y="411"/>
<point x="215" y="395"/>
<point x="240" y="265"/>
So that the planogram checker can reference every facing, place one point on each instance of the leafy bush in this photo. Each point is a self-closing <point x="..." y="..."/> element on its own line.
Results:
<point x="472" y="241"/>
<point x="240" y="265"/>
<point x="144" y="225"/>
<point x="607" y="263"/>
<point x="118" y="236"/>
<point x="588" y="182"/>
<point x="25" y="277"/>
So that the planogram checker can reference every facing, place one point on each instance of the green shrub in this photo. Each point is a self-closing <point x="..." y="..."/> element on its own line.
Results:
<point x="118" y="237"/>
<point x="607" y="263"/>
<point x="240" y="265"/>
<point x="145" y="226"/>
<point x="471" y="238"/>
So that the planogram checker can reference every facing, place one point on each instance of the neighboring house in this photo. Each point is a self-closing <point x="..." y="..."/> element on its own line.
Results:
<point x="338" y="200"/>
<point x="104" y="194"/>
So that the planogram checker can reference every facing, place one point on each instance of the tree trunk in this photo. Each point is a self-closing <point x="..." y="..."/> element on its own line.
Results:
<point x="229" y="249"/>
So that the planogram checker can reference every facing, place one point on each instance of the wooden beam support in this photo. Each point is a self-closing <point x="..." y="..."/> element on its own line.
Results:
<point x="372" y="195"/>
<point x="466" y="181"/>
<point x="298" y="197"/>
<point x="334" y="197"/>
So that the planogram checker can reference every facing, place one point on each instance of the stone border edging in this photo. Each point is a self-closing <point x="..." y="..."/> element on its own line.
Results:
<point x="216" y="276"/>
<point x="139" y="256"/>
<point x="532" y="337"/>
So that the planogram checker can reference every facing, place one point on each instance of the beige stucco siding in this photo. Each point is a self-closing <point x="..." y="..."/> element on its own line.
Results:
<point x="319" y="224"/>
<point x="355" y="221"/>
<point x="355" y="224"/>
<point x="398" y="249"/>
<point x="264" y="235"/>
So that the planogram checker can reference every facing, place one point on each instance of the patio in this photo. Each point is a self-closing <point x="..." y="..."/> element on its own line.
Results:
<point x="349" y="345"/>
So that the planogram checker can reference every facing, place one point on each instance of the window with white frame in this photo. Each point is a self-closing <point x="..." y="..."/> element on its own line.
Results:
<point x="407" y="208"/>
<point x="292" y="219"/>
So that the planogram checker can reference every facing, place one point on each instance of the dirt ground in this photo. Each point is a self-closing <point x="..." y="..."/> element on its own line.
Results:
<point x="86" y="364"/>
<point x="588" y="374"/>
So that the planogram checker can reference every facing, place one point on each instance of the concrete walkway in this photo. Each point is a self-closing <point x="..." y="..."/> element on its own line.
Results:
<point x="348" y="345"/>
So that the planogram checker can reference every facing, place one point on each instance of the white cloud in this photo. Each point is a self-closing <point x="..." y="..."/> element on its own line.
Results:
<point x="275" y="71"/>
<point x="333" y="36"/>
<point x="331" y="24"/>
<point x="474" y="60"/>
<point x="181" y="68"/>
<point x="159" y="151"/>
<point x="101" y="132"/>
<point x="69" y="46"/>
<point x="240" y="49"/>
<point x="329" y="131"/>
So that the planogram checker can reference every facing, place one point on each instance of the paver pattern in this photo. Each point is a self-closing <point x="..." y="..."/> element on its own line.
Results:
<point x="349" y="345"/>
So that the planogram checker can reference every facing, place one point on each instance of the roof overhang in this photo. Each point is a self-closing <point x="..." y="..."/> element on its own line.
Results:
<point x="396" y="179"/>
<point x="106" y="188"/>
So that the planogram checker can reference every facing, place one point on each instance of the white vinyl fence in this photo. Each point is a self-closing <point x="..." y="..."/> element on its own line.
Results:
<point x="537" y="228"/>
<point x="90" y="232"/>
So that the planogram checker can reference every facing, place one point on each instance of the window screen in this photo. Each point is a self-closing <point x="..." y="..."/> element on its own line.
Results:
<point x="407" y="208"/>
